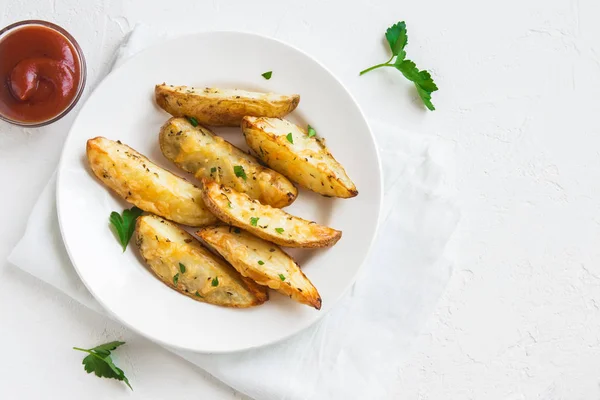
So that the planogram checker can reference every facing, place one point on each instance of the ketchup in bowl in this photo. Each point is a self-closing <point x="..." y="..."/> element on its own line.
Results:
<point x="42" y="73"/>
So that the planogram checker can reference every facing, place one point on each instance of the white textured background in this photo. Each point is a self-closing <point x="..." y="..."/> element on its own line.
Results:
<point x="519" y="99"/>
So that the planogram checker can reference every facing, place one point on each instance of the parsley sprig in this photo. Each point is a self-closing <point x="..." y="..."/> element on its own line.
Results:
<point x="125" y="225"/>
<point x="99" y="361"/>
<point x="397" y="38"/>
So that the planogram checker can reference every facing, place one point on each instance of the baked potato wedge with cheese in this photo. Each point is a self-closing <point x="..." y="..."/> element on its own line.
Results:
<point x="222" y="107"/>
<point x="288" y="149"/>
<point x="183" y="264"/>
<point x="145" y="184"/>
<point x="199" y="151"/>
<point x="266" y="222"/>
<point x="261" y="261"/>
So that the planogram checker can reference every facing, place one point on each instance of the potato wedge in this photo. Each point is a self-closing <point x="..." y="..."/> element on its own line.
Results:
<point x="199" y="151"/>
<point x="146" y="185"/>
<point x="272" y="224"/>
<point x="261" y="261"/>
<point x="183" y="264"/>
<point x="222" y="107"/>
<point x="305" y="160"/>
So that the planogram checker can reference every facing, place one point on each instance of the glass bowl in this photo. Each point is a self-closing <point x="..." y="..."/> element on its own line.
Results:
<point x="82" y="70"/>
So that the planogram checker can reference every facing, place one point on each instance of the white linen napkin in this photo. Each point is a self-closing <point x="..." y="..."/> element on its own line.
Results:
<point x="356" y="350"/>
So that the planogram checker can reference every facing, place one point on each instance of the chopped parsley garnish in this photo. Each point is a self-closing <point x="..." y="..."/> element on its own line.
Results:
<point x="254" y="221"/>
<point x="261" y="262"/>
<point x="213" y="170"/>
<point x="229" y="204"/>
<point x="175" y="279"/>
<point x="215" y="281"/>
<point x="193" y="121"/>
<point x="311" y="131"/>
<point x="198" y="294"/>
<point x="279" y="230"/>
<point x="290" y="138"/>
<point x="182" y="268"/>
<point x="267" y="75"/>
<point x="282" y="277"/>
<point x="239" y="172"/>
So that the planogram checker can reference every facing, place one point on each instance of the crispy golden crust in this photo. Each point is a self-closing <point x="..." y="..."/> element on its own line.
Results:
<point x="263" y="262"/>
<point x="273" y="224"/>
<point x="146" y="185"/>
<point x="199" y="151"/>
<point x="222" y="107"/>
<point x="203" y="277"/>
<point x="306" y="161"/>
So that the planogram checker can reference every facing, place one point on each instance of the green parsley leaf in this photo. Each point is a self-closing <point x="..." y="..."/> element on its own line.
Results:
<point x="215" y="281"/>
<point x="282" y="277"/>
<point x="422" y="80"/>
<point x="105" y="349"/>
<point x="426" y="97"/>
<point x="261" y="262"/>
<point x="239" y="172"/>
<point x="193" y="121"/>
<point x="125" y="225"/>
<point x="279" y="230"/>
<point x="198" y="294"/>
<point x="111" y="365"/>
<point x="213" y="170"/>
<point x="267" y="75"/>
<point x="290" y="138"/>
<point x="397" y="38"/>
<point x="101" y="364"/>
<point x="229" y="204"/>
<point x="311" y="131"/>
<point x="104" y="368"/>
<point x="254" y="221"/>
<point x="182" y="268"/>
<point x="175" y="279"/>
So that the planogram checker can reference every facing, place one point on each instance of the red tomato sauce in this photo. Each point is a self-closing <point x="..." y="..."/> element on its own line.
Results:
<point x="40" y="73"/>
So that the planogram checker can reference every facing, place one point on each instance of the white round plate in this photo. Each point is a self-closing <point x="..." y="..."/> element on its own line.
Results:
<point x="122" y="107"/>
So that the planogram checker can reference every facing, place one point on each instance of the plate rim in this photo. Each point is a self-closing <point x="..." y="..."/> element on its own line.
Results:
<point x="310" y="323"/>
